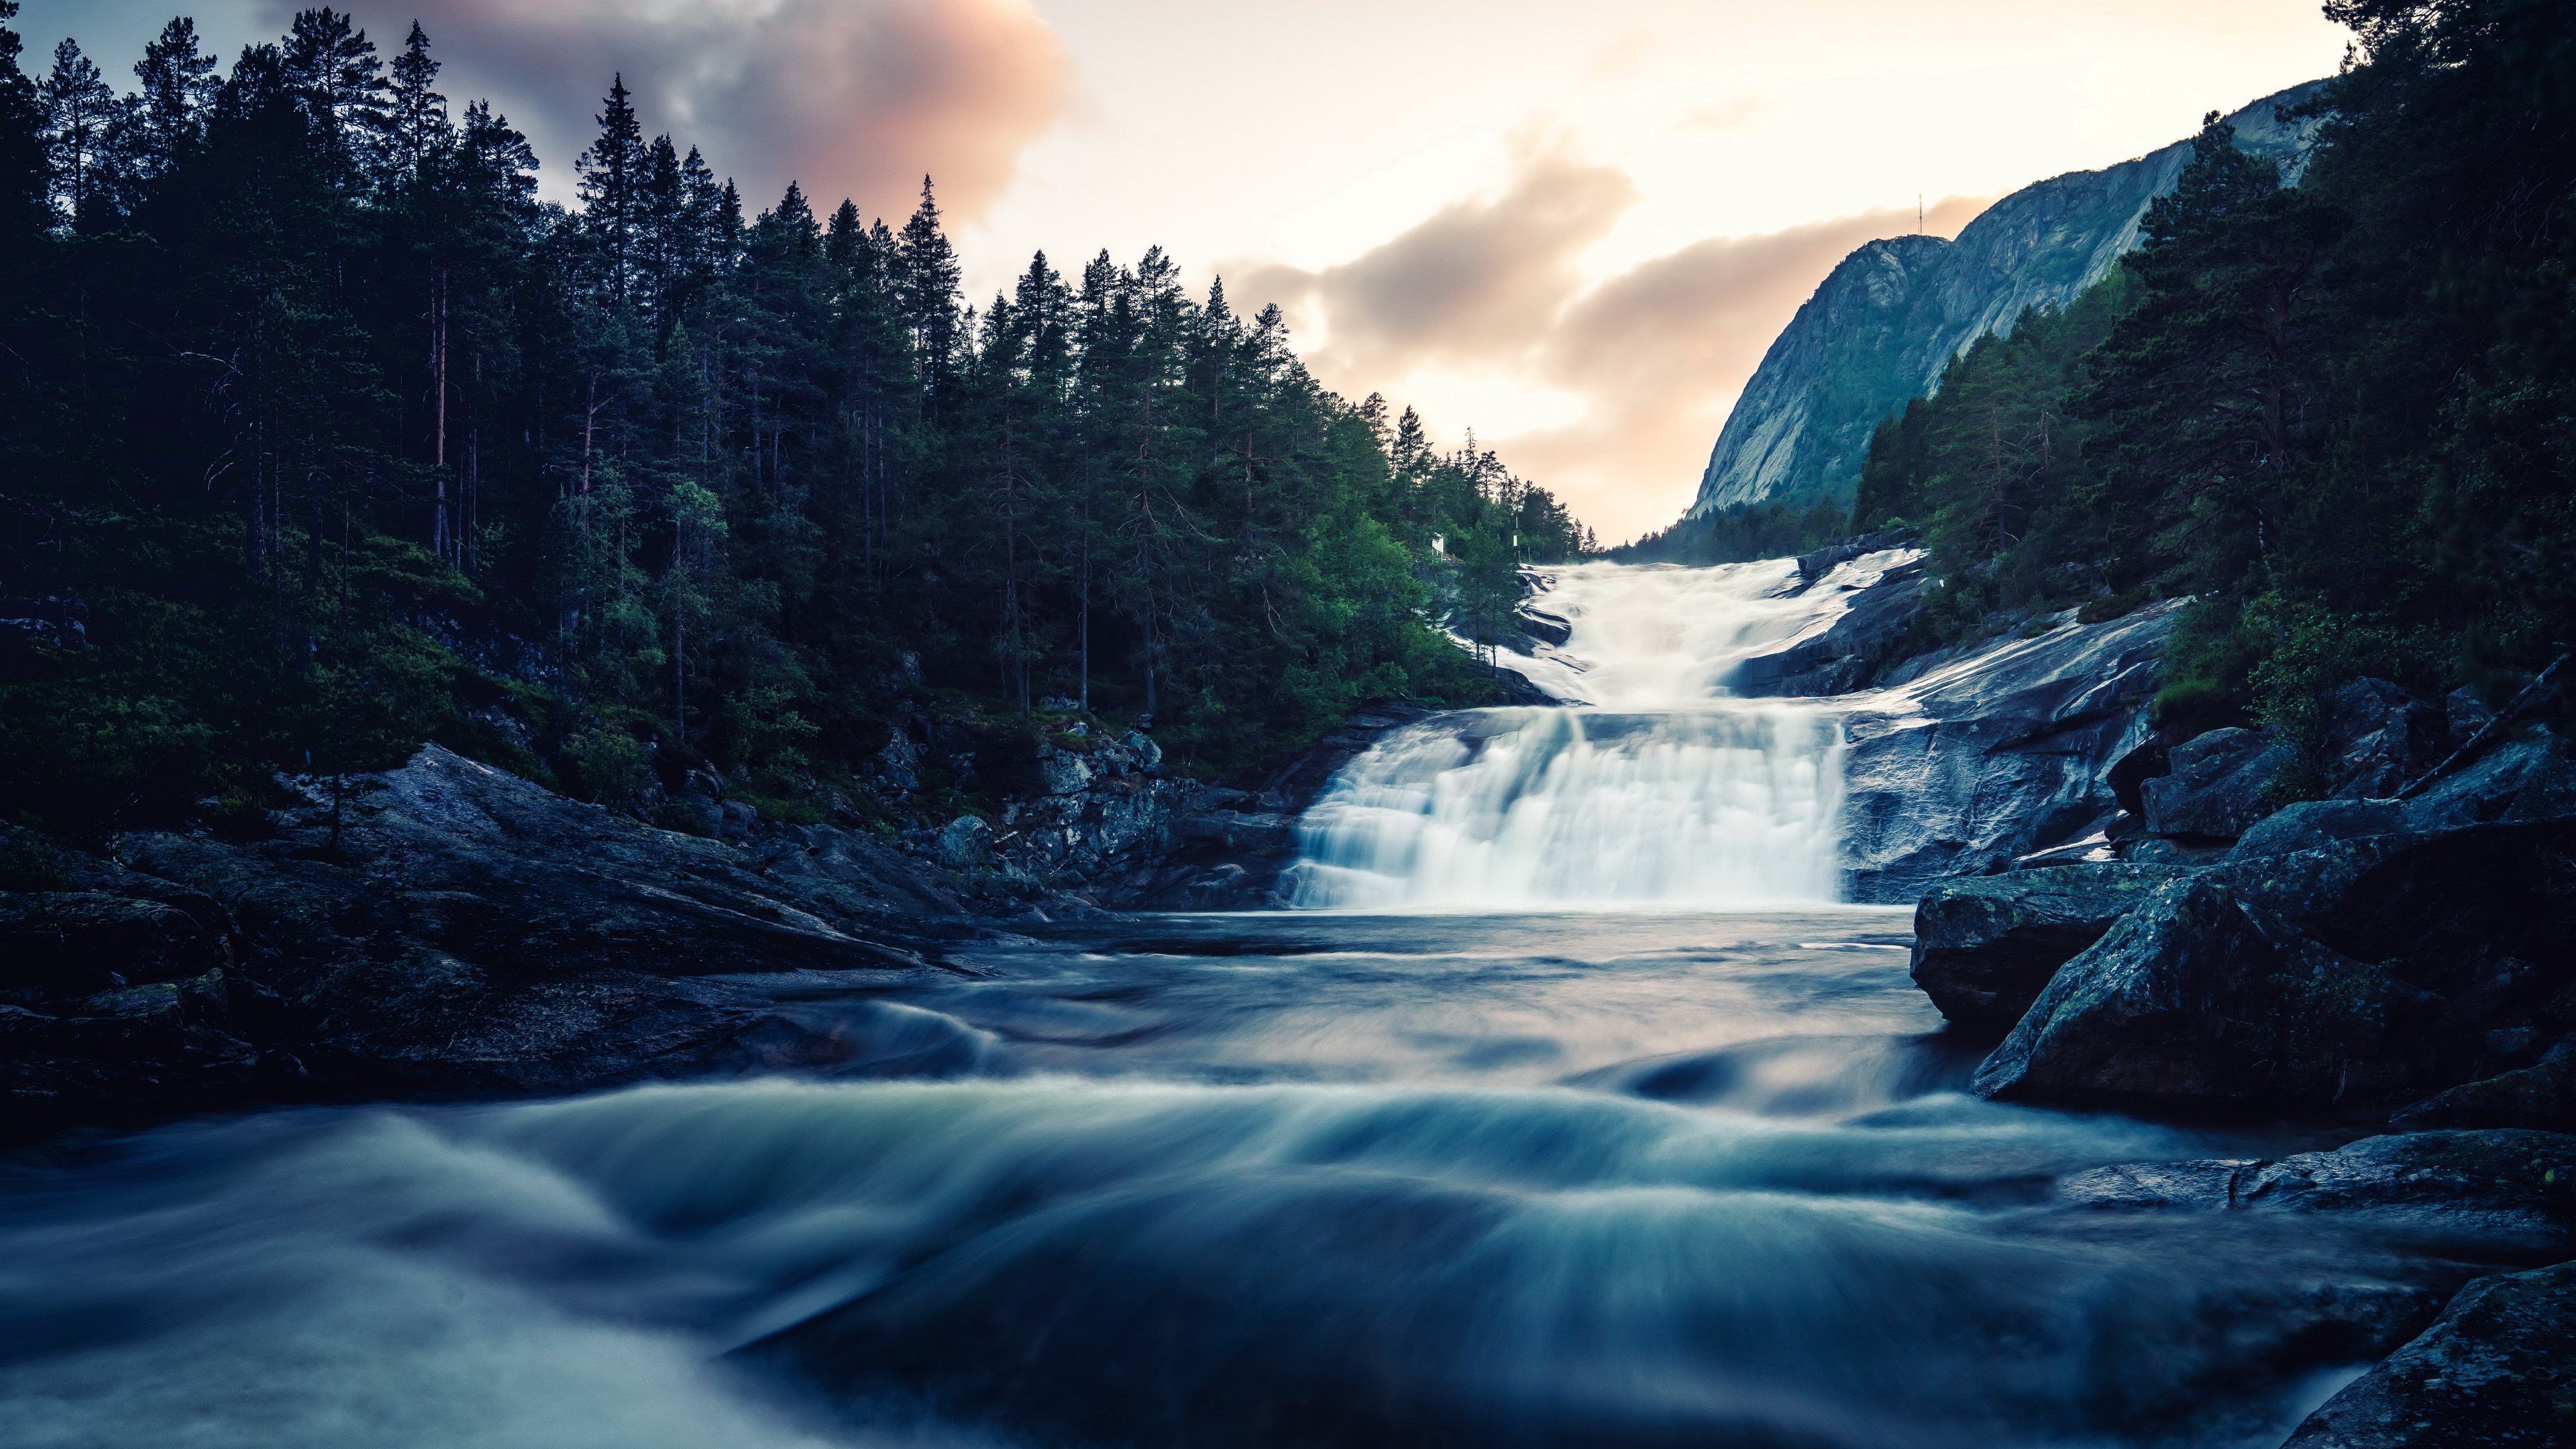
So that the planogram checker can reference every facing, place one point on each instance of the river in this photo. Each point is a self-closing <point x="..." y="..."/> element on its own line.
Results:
<point x="1568" y="1160"/>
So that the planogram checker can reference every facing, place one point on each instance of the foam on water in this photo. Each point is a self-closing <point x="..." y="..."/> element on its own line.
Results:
<point x="1654" y="788"/>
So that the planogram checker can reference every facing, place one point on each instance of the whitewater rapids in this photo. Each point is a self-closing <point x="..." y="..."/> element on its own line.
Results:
<point x="1651" y="787"/>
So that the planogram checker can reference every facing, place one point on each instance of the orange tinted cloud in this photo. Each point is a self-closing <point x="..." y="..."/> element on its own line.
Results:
<point x="1653" y="356"/>
<point x="1476" y="284"/>
<point x="848" y="97"/>
<point x="1658" y="353"/>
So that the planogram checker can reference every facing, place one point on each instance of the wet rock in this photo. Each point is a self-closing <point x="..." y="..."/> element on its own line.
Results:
<point x="2155" y="850"/>
<point x="1986" y="946"/>
<point x="1234" y="830"/>
<point x="2492" y="1370"/>
<point x="965" y="842"/>
<point x="2494" y="1187"/>
<point x="2199" y="999"/>
<point x="1817" y="565"/>
<point x="1885" y="596"/>
<point x="1544" y="627"/>
<point x="2519" y="781"/>
<point x="2219" y="783"/>
<point x="2150" y="760"/>
<point x="1995" y="752"/>
<point x="854" y="872"/>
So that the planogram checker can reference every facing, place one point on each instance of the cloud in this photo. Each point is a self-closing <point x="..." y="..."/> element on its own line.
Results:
<point x="1659" y="352"/>
<point x="847" y="97"/>
<point x="1738" y="114"/>
<point x="1652" y="357"/>
<point x="1475" y="285"/>
<point x="1623" y="53"/>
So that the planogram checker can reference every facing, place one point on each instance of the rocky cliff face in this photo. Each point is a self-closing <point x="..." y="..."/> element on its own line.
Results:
<point x="1894" y="312"/>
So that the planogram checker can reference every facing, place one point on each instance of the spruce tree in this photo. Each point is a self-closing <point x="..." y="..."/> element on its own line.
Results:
<point x="80" y="111"/>
<point x="415" y="123"/>
<point x="612" y="175"/>
<point x="930" y="272"/>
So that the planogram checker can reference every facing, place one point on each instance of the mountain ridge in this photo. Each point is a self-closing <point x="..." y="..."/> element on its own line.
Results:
<point x="1882" y="325"/>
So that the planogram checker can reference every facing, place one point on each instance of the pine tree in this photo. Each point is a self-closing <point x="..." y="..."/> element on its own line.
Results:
<point x="415" y="114"/>
<point x="2210" y="381"/>
<point x="178" y="84"/>
<point x="332" y="66"/>
<point x="80" y="110"/>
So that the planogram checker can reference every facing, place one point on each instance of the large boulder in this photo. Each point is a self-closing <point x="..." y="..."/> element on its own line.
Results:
<point x="2368" y="969"/>
<point x="2380" y="738"/>
<point x="2220" y="783"/>
<point x="2492" y="1370"/>
<point x="1986" y="946"/>
<point x="2199" y="999"/>
<point x="86" y="941"/>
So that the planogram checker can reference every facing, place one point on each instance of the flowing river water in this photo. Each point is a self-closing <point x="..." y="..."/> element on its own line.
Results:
<point x="1587" y="1118"/>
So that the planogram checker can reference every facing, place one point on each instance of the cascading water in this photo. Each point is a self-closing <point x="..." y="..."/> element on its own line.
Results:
<point x="1649" y="787"/>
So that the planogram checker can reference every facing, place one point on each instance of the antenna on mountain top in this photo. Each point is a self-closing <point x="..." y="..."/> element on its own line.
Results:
<point x="1918" y="213"/>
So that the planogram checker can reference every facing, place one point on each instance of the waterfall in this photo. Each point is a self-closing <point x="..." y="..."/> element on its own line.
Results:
<point x="1649" y="787"/>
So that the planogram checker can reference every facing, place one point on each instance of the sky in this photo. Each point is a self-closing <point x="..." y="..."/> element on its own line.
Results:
<point x="1570" y="229"/>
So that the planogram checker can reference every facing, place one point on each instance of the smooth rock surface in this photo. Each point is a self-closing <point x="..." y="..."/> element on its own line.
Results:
<point x="1884" y="593"/>
<point x="2496" y="1369"/>
<point x="1995" y="752"/>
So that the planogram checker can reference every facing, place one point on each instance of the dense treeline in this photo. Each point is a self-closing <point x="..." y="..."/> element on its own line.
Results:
<point x="323" y="435"/>
<point x="2341" y="412"/>
<point x="1761" y="530"/>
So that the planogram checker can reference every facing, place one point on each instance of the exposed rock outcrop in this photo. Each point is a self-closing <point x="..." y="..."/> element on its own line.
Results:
<point x="1893" y="313"/>
<point x="2540" y="1096"/>
<point x="2308" y="966"/>
<point x="1974" y="757"/>
<point x="461" y="932"/>
<point x="1883" y="596"/>
<point x="2492" y="1371"/>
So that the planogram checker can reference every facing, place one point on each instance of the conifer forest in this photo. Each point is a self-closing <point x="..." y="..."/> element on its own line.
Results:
<point x="324" y="436"/>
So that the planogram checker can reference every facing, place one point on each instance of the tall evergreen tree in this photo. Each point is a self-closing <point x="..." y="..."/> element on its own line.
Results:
<point x="80" y="112"/>
<point x="178" y="83"/>
<point x="613" y="175"/>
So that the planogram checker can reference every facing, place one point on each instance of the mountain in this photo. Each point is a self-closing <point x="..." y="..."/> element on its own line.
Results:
<point x="1894" y="312"/>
